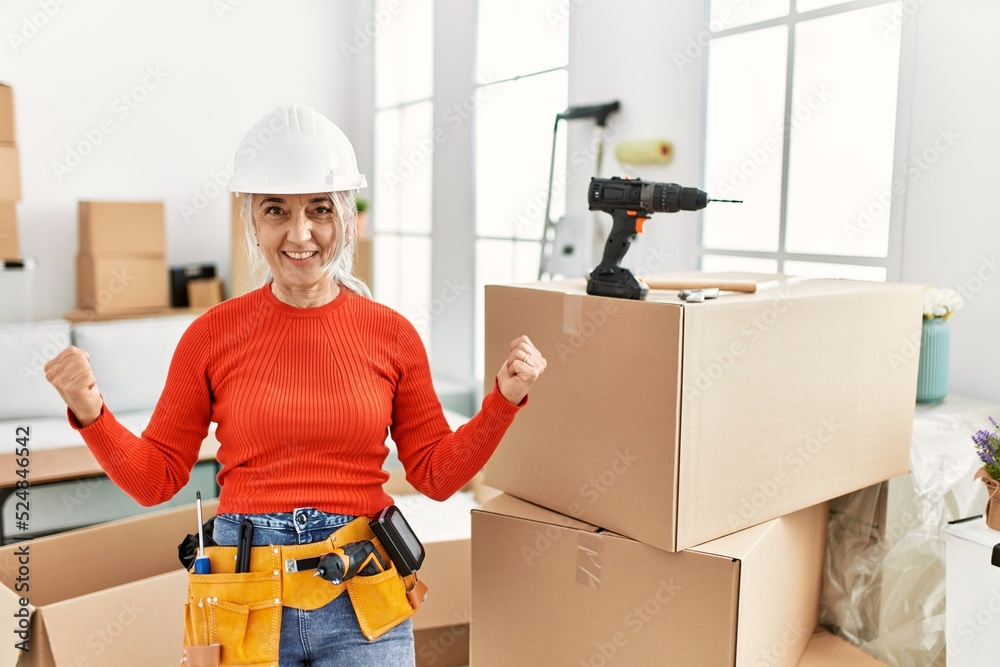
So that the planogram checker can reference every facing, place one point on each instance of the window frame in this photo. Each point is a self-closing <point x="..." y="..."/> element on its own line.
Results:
<point x="892" y="262"/>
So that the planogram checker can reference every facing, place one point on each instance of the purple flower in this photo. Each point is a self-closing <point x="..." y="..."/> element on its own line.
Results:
<point x="987" y="444"/>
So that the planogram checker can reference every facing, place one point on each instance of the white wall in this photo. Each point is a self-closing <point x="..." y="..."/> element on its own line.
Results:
<point x="225" y="70"/>
<point x="951" y="235"/>
<point x="222" y="64"/>
<point x="626" y="51"/>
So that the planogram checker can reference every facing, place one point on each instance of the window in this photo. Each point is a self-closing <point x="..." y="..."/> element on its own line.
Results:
<point x="801" y="107"/>
<point x="520" y="91"/>
<point x="401" y="210"/>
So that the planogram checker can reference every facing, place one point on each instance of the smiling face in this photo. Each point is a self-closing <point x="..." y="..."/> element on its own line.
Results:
<point x="298" y="236"/>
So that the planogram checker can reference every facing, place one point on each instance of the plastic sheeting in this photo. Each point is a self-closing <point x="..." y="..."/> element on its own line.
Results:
<point x="884" y="579"/>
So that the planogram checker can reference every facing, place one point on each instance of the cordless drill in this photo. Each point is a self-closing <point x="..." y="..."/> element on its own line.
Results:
<point x="350" y="560"/>
<point x="631" y="202"/>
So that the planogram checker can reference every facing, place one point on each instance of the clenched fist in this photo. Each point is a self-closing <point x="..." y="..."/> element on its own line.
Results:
<point x="522" y="367"/>
<point x="70" y="373"/>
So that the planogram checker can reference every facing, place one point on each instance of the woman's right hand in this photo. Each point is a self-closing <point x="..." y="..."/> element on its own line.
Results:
<point x="70" y="373"/>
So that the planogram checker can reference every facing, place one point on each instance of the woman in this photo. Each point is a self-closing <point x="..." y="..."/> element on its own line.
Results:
<point x="303" y="377"/>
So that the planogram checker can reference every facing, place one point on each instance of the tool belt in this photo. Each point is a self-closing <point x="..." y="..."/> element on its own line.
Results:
<point x="235" y="619"/>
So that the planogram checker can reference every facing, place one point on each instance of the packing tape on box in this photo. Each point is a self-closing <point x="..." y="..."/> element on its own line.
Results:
<point x="588" y="560"/>
<point x="572" y="314"/>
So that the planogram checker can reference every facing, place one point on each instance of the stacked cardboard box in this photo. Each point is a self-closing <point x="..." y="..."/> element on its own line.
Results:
<point x="684" y="443"/>
<point x="241" y="280"/>
<point x="364" y="261"/>
<point x="122" y="263"/>
<point x="73" y="601"/>
<point x="10" y="177"/>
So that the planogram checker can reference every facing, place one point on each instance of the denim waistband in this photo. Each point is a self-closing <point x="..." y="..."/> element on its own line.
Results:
<point x="300" y="526"/>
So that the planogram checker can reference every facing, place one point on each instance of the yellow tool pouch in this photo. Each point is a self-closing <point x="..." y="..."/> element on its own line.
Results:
<point x="242" y="612"/>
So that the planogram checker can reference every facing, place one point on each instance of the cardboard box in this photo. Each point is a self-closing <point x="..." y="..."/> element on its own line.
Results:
<point x="827" y="650"/>
<point x="441" y="627"/>
<point x="131" y="612"/>
<point x="364" y="261"/>
<point x="122" y="284"/>
<point x="678" y="423"/>
<point x="179" y="277"/>
<point x="122" y="228"/>
<point x="442" y="647"/>
<point x="10" y="173"/>
<point x="110" y="595"/>
<point x="204" y="292"/>
<point x="10" y="246"/>
<point x="241" y="281"/>
<point x="565" y="592"/>
<point x="7" y="115"/>
<point x="885" y="585"/>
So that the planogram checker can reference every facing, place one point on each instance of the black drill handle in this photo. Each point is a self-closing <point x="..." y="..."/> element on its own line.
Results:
<point x="623" y="231"/>
<point x="357" y="558"/>
<point x="369" y="560"/>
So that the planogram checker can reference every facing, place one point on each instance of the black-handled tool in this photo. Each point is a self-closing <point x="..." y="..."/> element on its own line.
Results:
<point x="244" y="540"/>
<point x="599" y="112"/>
<point x="631" y="202"/>
<point x="357" y="558"/>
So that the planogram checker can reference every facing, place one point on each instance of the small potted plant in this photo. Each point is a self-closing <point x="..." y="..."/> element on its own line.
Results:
<point x="988" y="448"/>
<point x="935" y="344"/>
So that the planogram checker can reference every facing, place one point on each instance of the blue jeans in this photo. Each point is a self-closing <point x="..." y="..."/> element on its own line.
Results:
<point x="328" y="636"/>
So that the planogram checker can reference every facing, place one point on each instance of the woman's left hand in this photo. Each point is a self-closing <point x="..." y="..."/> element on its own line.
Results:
<point x="520" y="370"/>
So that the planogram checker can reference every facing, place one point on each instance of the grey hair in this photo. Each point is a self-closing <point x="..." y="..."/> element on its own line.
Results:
<point x="341" y="265"/>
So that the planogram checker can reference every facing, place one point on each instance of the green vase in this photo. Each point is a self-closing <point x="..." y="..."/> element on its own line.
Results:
<point x="935" y="352"/>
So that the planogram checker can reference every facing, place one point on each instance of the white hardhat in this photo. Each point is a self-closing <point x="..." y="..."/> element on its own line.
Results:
<point x="295" y="150"/>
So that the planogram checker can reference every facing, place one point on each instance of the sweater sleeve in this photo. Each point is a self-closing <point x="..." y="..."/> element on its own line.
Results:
<point x="439" y="462"/>
<point x="154" y="467"/>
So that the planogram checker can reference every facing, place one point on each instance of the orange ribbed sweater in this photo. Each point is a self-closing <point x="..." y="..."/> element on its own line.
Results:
<point x="302" y="398"/>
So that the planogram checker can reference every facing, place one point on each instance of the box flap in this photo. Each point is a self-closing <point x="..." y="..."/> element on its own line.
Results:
<point x="507" y="505"/>
<point x="83" y="561"/>
<point x="41" y="651"/>
<point x="123" y="625"/>
<point x="780" y="588"/>
<point x="9" y="606"/>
